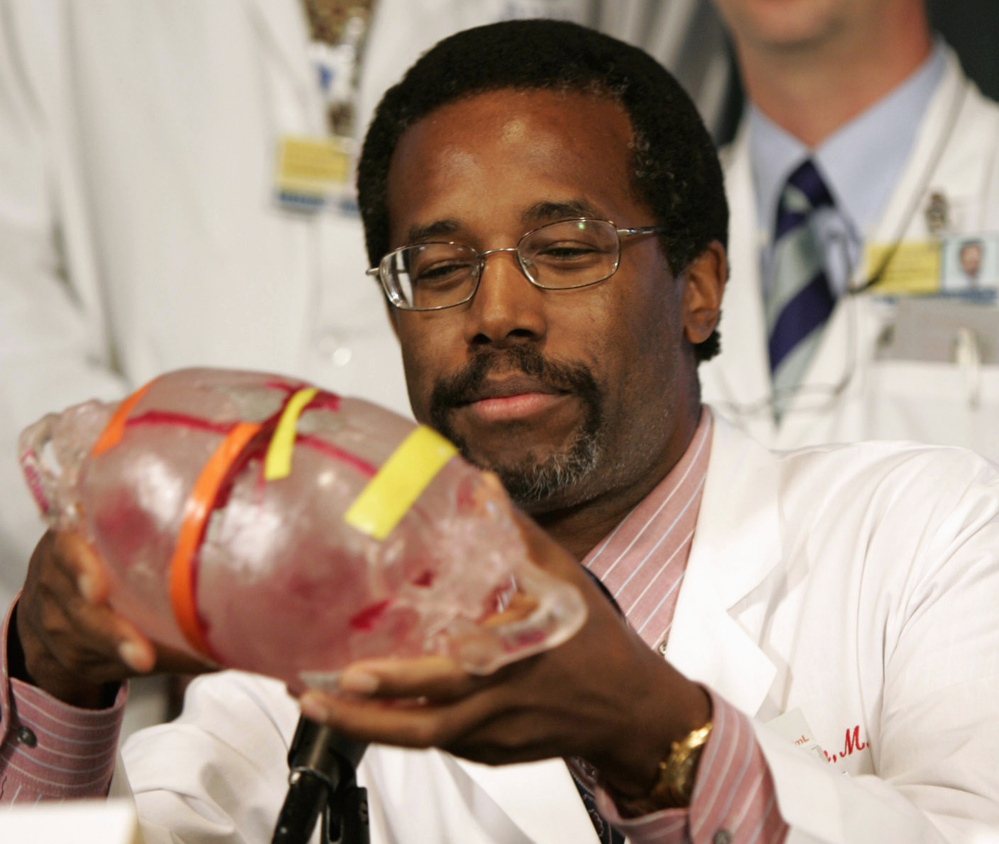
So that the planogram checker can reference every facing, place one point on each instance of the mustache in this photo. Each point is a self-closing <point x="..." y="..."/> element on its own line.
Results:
<point x="460" y="387"/>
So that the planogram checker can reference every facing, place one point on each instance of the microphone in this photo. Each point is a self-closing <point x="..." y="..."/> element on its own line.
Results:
<point x="321" y="775"/>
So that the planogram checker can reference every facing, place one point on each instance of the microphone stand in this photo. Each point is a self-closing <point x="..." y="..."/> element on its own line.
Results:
<point x="321" y="780"/>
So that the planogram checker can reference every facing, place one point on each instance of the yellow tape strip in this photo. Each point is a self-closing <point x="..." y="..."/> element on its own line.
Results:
<point x="390" y="493"/>
<point x="277" y="461"/>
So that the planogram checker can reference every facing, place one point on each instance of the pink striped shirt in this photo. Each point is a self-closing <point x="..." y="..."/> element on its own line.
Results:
<point x="643" y="560"/>
<point x="69" y="752"/>
<point x="51" y="750"/>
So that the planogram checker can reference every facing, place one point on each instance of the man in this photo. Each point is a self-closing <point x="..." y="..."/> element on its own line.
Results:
<point x="549" y="220"/>
<point x="895" y="149"/>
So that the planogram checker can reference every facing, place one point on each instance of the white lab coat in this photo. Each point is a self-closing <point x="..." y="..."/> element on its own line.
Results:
<point x="137" y="228"/>
<point x="939" y="402"/>
<point x="857" y="584"/>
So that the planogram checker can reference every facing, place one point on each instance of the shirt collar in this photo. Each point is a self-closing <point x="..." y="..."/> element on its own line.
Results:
<point x="656" y="514"/>
<point x="861" y="162"/>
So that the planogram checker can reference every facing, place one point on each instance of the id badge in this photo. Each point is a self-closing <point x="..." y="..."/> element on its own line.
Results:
<point x="913" y="269"/>
<point x="311" y="171"/>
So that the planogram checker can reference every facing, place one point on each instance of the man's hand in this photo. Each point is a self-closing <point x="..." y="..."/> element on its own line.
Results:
<point x="603" y="695"/>
<point x="73" y="643"/>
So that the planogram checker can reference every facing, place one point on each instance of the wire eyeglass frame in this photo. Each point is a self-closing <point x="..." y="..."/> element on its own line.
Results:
<point x="387" y="268"/>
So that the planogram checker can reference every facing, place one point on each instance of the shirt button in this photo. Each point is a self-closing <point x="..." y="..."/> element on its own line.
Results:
<point x="722" y="836"/>
<point x="26" y="737"/>
<point x="662" y="648"/>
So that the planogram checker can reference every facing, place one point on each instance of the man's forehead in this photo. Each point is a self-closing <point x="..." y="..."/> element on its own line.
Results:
<point x="518" y="116"/>
<point x="553" y="133"/>
<point x="534" y="215"/>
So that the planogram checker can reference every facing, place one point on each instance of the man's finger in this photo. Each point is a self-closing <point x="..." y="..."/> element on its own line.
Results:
<point x="70" y="556"/>
<point x="434" y="677"/>
<point x="108" y="636"/>
<point x="399" y="723"/>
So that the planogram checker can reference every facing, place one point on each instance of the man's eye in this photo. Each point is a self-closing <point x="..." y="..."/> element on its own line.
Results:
<point x="440" y="272"/>
<point x="567" y="252"/>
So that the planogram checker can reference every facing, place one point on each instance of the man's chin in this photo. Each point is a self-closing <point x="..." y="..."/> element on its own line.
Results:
<point x="539" y="484"/>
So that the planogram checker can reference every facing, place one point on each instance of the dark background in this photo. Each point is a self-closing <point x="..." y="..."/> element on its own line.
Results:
<point x="972" y="28"/>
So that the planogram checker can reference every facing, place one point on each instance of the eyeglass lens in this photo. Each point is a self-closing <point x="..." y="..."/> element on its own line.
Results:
<point x="571" y="253"/>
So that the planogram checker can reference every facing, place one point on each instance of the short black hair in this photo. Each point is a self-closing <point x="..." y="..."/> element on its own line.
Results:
<point x="675" y="167"/>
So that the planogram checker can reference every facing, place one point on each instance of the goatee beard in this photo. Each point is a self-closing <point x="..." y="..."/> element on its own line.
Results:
<point x="532" y="482"/>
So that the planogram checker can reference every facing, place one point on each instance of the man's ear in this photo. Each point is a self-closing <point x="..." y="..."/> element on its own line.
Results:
<point x="703" y="285"/>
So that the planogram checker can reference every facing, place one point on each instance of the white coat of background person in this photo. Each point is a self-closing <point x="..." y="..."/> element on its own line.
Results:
<point x="906" y="368"/>
<point x="138" y="227"/>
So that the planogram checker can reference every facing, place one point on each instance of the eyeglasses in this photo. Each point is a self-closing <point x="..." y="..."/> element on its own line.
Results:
<point x="557" y="256"/>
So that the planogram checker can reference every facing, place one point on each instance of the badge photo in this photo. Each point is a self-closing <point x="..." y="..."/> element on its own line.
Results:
<point x="970" y="264"/>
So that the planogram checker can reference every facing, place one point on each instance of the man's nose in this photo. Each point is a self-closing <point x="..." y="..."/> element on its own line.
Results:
<point x="507" y="307"/>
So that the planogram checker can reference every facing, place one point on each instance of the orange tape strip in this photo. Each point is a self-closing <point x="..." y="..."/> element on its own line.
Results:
<point x="112" y="433"/>
<point x="196" y="511"/>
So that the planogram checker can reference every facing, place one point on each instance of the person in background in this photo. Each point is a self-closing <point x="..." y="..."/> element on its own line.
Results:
<point x="547" y="215"/>
<point x="141" y="226"/>
<point x="863" y="148"/>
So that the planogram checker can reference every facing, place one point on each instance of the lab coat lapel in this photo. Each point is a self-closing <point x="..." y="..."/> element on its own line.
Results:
<point x="954" y="171"/>
<point x="745" y="336"/>
<point x="736" y="545"/>
<point x="540" y="799"/>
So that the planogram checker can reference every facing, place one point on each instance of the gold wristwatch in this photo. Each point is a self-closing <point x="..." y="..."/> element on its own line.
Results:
<point x="675" y="783"/>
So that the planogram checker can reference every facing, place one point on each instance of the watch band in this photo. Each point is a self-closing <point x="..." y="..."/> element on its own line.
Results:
<point x="675" y="783"/>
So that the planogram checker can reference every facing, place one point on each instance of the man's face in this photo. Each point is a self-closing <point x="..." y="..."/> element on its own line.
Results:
<point x="568" y="395"/>
<point x="971" y="259"/>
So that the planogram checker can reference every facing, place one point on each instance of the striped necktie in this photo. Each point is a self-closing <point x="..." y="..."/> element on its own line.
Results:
<point x="606" y="834"/>
<point x="799" y="299"/>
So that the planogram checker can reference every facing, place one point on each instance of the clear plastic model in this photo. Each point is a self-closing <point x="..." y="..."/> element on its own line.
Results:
<point x="273" y="527"/>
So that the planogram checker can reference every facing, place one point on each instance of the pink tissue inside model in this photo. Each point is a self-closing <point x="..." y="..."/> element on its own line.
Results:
<point x="277" y="582"/>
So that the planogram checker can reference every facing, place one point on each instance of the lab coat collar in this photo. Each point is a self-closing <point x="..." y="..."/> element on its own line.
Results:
<point x="937" y="126"/>
<point x="748" y="389"/>
<point x="736" y="546"/>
